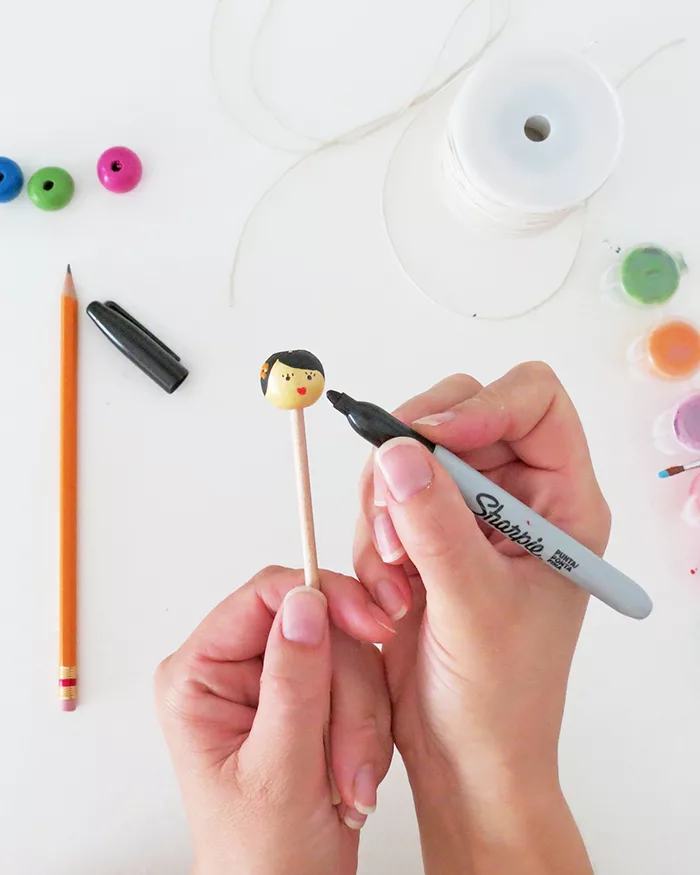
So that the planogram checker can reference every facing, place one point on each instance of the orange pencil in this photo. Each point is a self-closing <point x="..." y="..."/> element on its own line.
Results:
<point x="68" y="657"/>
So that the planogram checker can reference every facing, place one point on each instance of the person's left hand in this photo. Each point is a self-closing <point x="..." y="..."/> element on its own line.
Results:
<point x="247" y="735"/>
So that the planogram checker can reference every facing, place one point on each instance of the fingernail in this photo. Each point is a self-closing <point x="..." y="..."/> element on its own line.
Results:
<point x="305" y="616"/>
<point x="404" y="466"/>
<point x="389" y="546"/>
<point x="380" y="617"/>
<point x="380" y="489"/>
<point x="391" y="598"/>
<point x="437" y="418"/>
<point x="365" y="790"/>
<point x="354" y="820"/>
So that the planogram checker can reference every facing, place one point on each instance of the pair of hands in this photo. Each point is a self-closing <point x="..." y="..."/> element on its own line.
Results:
<point x="280" y="686"/>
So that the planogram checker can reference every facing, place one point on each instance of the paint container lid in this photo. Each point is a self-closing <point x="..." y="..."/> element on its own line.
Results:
<point x="673" y="348"/>
<point x="650" y="275"/>
<point x="686" y="422"/>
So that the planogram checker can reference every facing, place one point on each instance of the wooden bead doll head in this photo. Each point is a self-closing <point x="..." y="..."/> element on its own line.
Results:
<point x="293" y="379"/>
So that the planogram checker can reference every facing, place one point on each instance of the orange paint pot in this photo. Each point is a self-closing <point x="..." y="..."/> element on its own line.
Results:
<point x="673" y="349"/>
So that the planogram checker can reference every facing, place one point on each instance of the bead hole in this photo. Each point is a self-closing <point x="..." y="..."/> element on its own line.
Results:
<point x="48" y="185"/>
<point x="116" y="166"/>
<point x="537" y="128"/>
<point x="2" y="176"/>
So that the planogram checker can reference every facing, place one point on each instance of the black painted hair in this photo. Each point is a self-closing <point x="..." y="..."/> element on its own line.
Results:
<point x="297" y="359"/>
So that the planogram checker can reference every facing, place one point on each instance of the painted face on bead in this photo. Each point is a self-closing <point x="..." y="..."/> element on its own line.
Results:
<point x="293" y="379"/>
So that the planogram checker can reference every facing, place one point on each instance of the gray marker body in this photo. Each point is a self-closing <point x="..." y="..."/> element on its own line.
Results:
<point x="500" y="510"/>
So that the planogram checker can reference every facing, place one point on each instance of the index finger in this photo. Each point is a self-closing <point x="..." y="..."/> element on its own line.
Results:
<point x="448" y="392"/>
<point x="238" y="628"/>
<point x="442" y="396"/>
<point x="528" y="409"/>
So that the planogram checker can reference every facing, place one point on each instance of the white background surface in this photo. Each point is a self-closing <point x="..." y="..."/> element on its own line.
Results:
<point x="176" y="491"/>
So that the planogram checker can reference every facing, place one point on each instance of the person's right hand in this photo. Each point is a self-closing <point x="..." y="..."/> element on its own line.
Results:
<point x="479" y="669"/>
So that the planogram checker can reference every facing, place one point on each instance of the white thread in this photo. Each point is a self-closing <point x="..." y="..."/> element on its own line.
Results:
<point x="485" y="209"/>
<point x="469" y="198"/>
<point x="477" y="204"/>
<point x="358" y="134"/>
<point x="424" y="91"/>
<point x="484" y="183"/>
<point x="529" y="139"/>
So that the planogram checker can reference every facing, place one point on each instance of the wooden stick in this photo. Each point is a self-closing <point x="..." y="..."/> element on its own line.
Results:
<point x="68" y="657"/>
<point x="308" y="539"/>
<point x="306" y="511"/>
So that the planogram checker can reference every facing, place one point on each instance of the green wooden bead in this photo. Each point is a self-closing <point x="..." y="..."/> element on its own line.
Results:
<point x="51" y="188"/>
<point x="650" y="275"/>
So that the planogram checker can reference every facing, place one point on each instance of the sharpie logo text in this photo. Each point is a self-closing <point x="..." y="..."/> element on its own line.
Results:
<point x="490" y="510"/>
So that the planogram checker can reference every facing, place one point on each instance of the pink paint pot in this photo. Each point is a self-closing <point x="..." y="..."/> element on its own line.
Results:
<point x="678" y="429"/>
<point x="686" y="422"/>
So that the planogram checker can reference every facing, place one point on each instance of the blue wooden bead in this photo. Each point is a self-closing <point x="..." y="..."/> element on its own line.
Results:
<point x="11" y="180"/>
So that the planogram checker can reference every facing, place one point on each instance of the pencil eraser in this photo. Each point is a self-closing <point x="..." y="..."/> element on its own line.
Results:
<point x="68" y="705"/>
<point x="293" y="379"/>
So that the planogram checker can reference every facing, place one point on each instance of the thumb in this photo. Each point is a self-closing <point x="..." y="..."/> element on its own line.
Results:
<point x="295" y="688"/>
<point x="438" y="531"/>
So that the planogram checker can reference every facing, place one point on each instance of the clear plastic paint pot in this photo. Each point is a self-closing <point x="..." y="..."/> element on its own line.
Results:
<point x="678" y="429"/>
<point x="670" y="350"/>
<point x="647" y="275"/>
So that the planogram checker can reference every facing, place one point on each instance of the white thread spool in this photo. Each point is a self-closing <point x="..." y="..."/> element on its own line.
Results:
<point x="536" y="135"/>
<point x="497" y="179"/>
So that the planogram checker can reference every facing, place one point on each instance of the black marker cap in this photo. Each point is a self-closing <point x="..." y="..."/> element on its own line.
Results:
<point x="139" y="345"/>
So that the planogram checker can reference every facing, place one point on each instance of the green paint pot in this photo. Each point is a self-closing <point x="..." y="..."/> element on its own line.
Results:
<point x="650" y="275"/>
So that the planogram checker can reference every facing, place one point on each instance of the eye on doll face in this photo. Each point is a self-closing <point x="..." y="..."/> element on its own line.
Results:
<point x="292" y="380"/>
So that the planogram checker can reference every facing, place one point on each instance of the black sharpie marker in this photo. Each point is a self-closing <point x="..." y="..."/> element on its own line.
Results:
<point x="500" y="510"/>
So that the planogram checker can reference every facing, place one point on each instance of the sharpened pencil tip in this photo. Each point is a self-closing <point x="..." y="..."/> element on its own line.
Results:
<point x="68" y="285"/>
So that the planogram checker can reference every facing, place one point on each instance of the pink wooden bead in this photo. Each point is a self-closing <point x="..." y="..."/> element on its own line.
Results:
<point x="119" y="169"/>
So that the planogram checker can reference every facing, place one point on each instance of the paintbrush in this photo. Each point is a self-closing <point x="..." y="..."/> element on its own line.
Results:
<point x="678" y="469"/>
